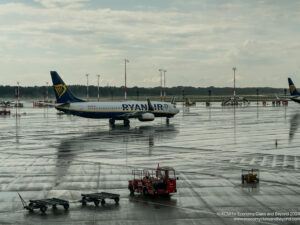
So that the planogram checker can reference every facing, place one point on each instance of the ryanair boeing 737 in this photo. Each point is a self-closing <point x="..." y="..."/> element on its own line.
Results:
<point x="125" y="110"/>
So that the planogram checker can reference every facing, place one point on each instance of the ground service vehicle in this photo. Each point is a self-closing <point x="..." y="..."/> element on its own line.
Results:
<point x="250" y="176"/>
<point x="159" y="181"/>
<point x="43" y="204"/>
<point x="99" y="197"/>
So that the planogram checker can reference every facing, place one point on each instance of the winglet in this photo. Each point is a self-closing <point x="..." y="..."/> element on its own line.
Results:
<point x="150" y="106"/>
<point x="173" y="101"/>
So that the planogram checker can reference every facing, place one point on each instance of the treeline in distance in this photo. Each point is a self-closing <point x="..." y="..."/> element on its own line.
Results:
<point x="39" y="92"/>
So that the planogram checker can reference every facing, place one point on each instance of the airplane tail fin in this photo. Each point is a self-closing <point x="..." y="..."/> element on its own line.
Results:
<point x="62" y="93"/>
<point x="292" y="87"/>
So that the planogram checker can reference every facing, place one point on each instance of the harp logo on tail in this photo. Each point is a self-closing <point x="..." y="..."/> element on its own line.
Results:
<point x="292" y="88"/>
<point x="60" y="89"/>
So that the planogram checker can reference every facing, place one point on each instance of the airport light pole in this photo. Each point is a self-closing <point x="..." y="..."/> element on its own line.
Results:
<point x="165" y="85"/>
<point x="98" y="88"/>
<point x="234" y="69"/>
<point x="47" y="99"/>
<point x="87" y="87"/>
<point x="125" y="88"/>
<point x="285" y="90"/>
<point x="137" y="93"/>
<point x="182" y="97"/>
<point x="160" y="70"/>
<point x="18" y="93"/>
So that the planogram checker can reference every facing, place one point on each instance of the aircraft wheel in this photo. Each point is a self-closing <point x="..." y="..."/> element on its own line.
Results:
<point x="168" y="121"/>
<point x="83" y="201"/>
<point x="96" y="202"/>
<point x="66" y="206"/>
<point x="131" y="190"/>
<point x="102" y="202"/>
<point x="145" y="192"/>
<point x="126" y="123"/>
<point x="112" y="122"/>
<point x="43" y="209"/>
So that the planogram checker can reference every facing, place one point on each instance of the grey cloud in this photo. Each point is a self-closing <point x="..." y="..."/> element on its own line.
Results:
<point x="206" y="36"/>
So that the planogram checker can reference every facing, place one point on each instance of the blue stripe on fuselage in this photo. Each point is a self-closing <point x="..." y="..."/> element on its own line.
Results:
<point x="107" y="115"/>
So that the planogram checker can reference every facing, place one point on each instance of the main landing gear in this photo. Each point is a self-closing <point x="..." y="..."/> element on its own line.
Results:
<point x="112" y="122"/>
<point x="167" y="121"/>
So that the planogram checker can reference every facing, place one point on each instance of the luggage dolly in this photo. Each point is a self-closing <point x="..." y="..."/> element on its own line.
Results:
<point x="250" y="176"/>
<point x="43" y="204"/>
<point x="97" y="197"/>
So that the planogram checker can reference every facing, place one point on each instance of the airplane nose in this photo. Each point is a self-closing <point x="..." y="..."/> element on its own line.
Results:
<point x="176" y="110"/>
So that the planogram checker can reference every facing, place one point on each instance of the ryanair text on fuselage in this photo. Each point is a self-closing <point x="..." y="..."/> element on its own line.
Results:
<point x="143" y="107"/>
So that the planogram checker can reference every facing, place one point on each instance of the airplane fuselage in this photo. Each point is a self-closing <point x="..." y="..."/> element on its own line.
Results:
<point x="116" y="110"/>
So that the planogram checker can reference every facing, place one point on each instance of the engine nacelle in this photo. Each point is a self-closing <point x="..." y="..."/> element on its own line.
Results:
<point x="146" y="117"/>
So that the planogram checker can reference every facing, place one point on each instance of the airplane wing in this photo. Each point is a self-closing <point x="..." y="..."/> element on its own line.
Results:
<point x="132" y="115"/>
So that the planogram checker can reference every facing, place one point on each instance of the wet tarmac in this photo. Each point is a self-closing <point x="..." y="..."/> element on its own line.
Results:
<point x="45" y="155"/>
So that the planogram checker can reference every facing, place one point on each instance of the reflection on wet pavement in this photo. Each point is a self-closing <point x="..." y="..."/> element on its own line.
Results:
<point x="45" y="155"/>
<point x="295" y="120"/>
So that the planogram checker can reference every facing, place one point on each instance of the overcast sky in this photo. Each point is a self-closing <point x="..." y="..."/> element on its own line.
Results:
<point x="196" y="41"/>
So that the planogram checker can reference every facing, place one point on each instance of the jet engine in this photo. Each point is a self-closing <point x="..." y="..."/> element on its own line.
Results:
<point x="146" y="117"/>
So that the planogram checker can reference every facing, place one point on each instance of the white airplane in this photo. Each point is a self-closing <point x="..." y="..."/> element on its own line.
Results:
<point x="125" y="110"/>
